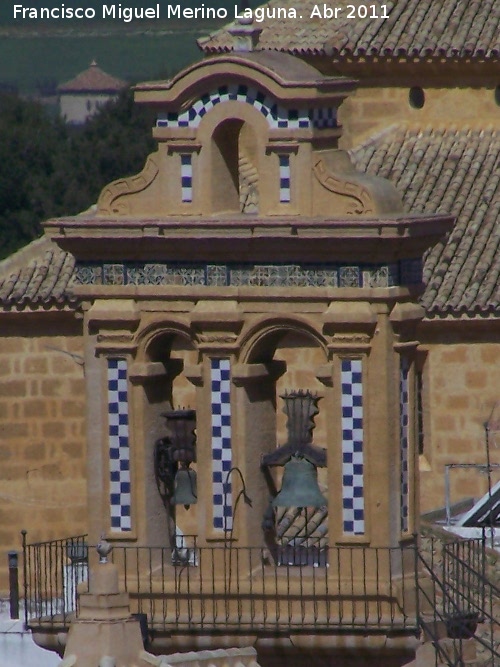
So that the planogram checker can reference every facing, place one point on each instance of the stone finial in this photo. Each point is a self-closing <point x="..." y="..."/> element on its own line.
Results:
<point x="245" y="34"/>
<point x="103" y="548"/>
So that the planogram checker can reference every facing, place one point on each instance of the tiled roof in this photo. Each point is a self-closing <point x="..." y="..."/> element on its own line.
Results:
<point x="449" y="171"/>
<point x="414" y="28"/>
<point x="37" y="275"/>
<point x="92" y="80"/>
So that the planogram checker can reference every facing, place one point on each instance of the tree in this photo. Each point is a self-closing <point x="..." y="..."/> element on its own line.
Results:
<point x="49" y="169"/>
<point x="113" y="143"/>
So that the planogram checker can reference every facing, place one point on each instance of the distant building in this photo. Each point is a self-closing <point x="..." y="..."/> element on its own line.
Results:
<point x="82" y="96"/>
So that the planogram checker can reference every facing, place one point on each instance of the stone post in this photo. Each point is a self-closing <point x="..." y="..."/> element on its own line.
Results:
<point x="104" y="632"/>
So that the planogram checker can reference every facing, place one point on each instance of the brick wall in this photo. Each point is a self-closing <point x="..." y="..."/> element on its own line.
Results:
<point x="42" y="434"/>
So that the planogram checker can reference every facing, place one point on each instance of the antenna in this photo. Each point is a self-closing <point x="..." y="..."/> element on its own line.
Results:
<point x="486" y="426"/>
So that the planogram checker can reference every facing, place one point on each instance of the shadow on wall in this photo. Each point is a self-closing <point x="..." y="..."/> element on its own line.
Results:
<point x="302" y="657"/>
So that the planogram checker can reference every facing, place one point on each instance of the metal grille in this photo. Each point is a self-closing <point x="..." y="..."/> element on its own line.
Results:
<point x="458" y="603"/>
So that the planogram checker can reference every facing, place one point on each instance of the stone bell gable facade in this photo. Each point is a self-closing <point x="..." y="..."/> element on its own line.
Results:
<point x="249" y="264"/>
<point x="248" y="320"/>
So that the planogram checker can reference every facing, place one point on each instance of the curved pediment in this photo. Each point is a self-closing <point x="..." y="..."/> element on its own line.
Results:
<point x="279" y="75"/>
<point x="248" y="133"/>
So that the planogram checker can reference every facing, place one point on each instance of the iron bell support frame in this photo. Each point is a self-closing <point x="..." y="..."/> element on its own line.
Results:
<point x="173" y="455"/>
<point x="300" y="408"/>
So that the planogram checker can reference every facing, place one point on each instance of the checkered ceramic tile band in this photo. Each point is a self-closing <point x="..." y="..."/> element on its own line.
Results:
<point x="119" y="451"/>
<point x="404" y="441"/>
<point x="276" y="115"/>
<point x="353" y="509"/>
<point x="284" y="179"/>
<point x="323" y="118"/>
<point x="220" y="382"/>
<point x="187" y="178"/>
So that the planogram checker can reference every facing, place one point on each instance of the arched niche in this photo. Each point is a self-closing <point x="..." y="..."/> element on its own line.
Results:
<point x="233" y="162"/>
<point x="279" y="357"/>
<point x="162" y="386"/>
<point x="174" y="350"/>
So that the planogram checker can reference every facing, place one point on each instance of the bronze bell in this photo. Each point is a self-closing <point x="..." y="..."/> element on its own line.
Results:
<point x="185" y="492"/>
<point x="300" y="486"/>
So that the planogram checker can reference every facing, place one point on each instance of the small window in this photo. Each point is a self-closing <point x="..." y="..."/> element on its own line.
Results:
<point x="417" y="97"/>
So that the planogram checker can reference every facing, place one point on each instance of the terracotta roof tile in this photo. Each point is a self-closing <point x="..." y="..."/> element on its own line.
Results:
<point x="39" y="274"/>
<point x="449" y="171"/>
<point x="92" y="80"/>
<point x="414" y="28"/>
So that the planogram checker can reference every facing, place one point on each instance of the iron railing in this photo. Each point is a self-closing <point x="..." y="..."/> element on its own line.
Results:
<point x="458" y="602"/>
<point x="351" y="589"/>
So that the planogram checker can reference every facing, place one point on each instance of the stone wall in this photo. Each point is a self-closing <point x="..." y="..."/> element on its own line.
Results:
<point x="461" y="390"/>
<point x="42" y="434"/>
<point x="372" y="110"/>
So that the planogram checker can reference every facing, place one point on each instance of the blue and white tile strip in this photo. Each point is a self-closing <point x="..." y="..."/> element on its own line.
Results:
<point x="187" y="177"/>
<point x="284" y="179"/>
<point x="322" y="118"/>
<point x="220" y="385"/>
<point x="119" y="450"/>
<point x="353" y="509"/>
<point x="276" y="115"/>
<point x="404" y="441"/>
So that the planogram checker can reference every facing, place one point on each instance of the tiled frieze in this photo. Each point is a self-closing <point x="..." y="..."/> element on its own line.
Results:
<point x="216" y="275"/>
<point x="220" y="397"/>
<point x="119" y="449"/>
<point x="404" y="442"/>
<point x="353" y="509"/>
<point x="221" y="275"/>
<point x="276" y="115"/>
<point x="350" y="276"/>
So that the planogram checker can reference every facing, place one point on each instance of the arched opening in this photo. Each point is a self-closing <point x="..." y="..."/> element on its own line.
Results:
<point x="288" y="404"/>
<point x="168" y="391"/>
<point x="234" y="170"/>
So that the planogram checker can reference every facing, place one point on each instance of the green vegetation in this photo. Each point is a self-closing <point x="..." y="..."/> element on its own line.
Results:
<point x="50" y="169"/>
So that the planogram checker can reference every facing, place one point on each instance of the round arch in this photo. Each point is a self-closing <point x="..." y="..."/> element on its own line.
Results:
<point x="233" y="136"/>
<point x="157" y="334"/>
<point x="261" y="341"/>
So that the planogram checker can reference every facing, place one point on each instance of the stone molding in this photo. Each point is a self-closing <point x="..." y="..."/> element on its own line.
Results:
<point x="109" y="200"/>
<point x="360" y="201"/>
